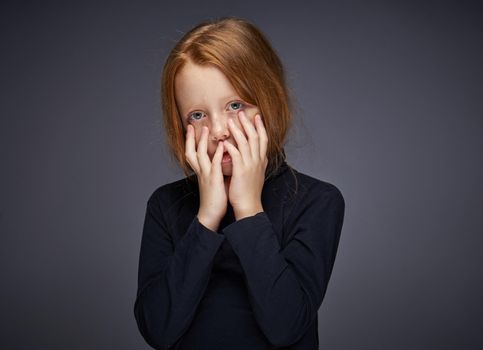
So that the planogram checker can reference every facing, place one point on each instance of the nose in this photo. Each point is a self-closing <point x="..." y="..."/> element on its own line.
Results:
<point x="219" y="128"/>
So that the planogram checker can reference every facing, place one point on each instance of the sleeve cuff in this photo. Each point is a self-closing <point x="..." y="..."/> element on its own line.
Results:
<point x="207" y="239"/>
<point x="249" y="229"/>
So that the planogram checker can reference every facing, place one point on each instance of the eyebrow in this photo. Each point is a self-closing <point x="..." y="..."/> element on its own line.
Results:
<point x="231" y="97"/>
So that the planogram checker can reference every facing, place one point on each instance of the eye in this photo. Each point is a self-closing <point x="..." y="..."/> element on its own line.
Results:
<point x="236" y="105"/>
<point x="195" y="116"/>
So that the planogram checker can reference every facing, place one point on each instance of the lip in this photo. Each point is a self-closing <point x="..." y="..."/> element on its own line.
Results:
<point x="226" y="160"/>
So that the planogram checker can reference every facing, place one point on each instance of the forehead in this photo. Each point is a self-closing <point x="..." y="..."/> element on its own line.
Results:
<point x="194" y="83"/>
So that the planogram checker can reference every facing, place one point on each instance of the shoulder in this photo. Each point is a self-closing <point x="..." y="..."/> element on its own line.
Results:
<point x="311" y="205"/>
<point x="311" y="190"/>
<point x="172" y="193"/>
<point x="316" y="204"/>
<point x="310" y="185"/>
<point x="318" y="186"/>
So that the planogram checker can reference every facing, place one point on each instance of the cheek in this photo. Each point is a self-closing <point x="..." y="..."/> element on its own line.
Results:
<point x="251" y="113"/>
<point x="197" y="137"/>
<point x="251" y="120"/>
<point x="197" y="133"/>
<point x="198" y="128"/>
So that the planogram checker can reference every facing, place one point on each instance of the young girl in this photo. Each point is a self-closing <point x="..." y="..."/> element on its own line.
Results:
<point x="238" y="254"/>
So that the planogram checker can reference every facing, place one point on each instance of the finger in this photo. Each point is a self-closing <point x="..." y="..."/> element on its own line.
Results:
<point x="190" y="152"/>
<point x="217" y="157"/>
<point x="241" y="141"/>
<point x="202" y="152"/>
<point x="235" y="155"/>
<point x="262" y="132"/>
<point x="253" y="137"/>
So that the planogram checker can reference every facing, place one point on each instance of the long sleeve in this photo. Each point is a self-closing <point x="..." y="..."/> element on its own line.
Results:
<point x="172" y="277"/>
<point x="286" y="286"/>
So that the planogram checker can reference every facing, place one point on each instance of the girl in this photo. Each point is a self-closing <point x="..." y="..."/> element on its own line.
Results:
<point x="238" y="254"/>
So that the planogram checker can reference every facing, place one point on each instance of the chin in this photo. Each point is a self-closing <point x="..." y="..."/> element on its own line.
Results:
<point x="226" y="169"/>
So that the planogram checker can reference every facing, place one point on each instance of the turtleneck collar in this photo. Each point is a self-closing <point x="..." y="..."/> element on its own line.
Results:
<point x="283" y="167"/>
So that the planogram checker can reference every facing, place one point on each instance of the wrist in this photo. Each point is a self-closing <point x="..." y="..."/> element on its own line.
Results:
<point x="250" y="210"/>
<point x="208" y="222"/>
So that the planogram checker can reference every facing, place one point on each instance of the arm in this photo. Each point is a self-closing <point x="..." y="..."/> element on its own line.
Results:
<point x="172" y="278"/>
<point x="286" y="287"/>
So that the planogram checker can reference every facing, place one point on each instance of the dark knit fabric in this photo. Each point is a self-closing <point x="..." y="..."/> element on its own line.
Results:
<point x="257" y="283"/>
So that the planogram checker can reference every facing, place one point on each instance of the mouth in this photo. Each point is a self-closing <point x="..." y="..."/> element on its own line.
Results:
<point x="226" y="158"/>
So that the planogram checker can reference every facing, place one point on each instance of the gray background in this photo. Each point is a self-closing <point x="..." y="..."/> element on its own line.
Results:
<point x="389" y="109"/>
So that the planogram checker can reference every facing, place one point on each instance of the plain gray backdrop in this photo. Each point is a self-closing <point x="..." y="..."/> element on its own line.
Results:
<point x="388" y="98"/>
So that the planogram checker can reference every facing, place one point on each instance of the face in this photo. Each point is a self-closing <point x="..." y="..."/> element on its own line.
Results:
<point x="204" y="96"/>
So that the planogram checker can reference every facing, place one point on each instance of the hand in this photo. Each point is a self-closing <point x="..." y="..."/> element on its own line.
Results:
<point x="213" y="197"/>
<point x="249" y="163"/>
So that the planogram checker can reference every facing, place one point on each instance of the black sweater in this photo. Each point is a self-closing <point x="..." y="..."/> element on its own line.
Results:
<point x="257" y="283"/>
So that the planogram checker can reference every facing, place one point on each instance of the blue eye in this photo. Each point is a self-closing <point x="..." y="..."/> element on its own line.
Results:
<point x="195" y="116"/>
<point x="236" y="105"/>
